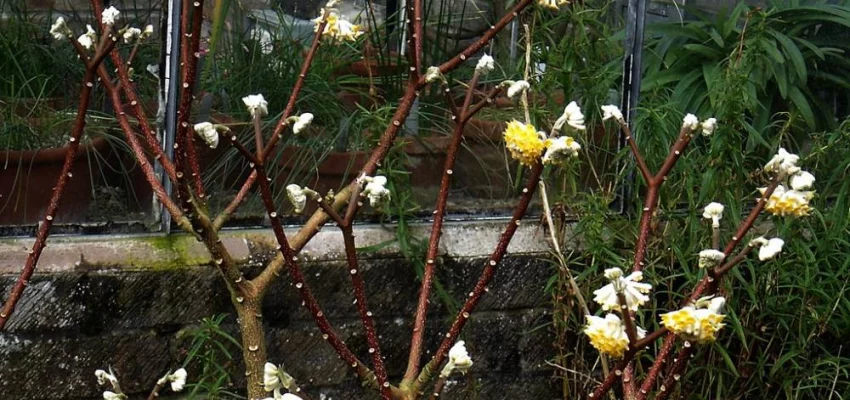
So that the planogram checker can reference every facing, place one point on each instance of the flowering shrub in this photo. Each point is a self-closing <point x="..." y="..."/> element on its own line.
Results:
<point x="616" y="334"/>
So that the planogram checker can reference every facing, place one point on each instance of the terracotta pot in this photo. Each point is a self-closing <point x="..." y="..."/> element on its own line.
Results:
<point x="28" y="178"/>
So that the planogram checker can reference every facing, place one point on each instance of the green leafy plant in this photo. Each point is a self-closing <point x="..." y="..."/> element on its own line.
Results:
<point x="777" y="59"/>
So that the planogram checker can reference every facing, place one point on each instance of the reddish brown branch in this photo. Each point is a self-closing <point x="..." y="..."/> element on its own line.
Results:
<point x="651" y="200"/>
<point x="675" y="375"/>
<point x="136" y="108"/>
<point x="709" y="283"/>
<point x="639" y="160"/>
<point x="311" y="227"/>
<point x="363" y="310"/>
<point x="484" y="280"/>
<point x="306" y="294"/>
<point x="55" y="199"/>
<point x="222" y="218"/>
<point x="436" y="232"/>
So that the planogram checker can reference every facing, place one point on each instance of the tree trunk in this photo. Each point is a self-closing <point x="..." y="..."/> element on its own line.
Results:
<point x="253" y="344"/>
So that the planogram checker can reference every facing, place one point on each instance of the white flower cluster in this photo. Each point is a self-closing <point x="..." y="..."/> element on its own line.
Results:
<point x="698" y="322"/>
<point x="572" y="116"/>
<point x="337" y="27"/>
<point x="714" y="212"/>
<point x="176" y="380"/>
<point x="691" y="122"/>
<point x="710" y="258"/>
<point x="60" y="30"/>
<point x="459" y="360"/>
<point x="784" y="201"/>
<point x="768" y="248"/>
<point x="275" y="379"/>
<point x="375" y="190"/>
<point x="629" y="286"/>
<point x="256" y="104"/>
<point x="486" y="64"/>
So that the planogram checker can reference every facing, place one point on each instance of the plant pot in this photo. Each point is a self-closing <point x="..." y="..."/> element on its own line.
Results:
<point x="29" y="177"/>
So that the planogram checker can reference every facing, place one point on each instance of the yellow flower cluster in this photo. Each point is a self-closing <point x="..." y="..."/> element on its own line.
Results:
<point x="607" y="335"/>
<point x="554" y="5"/>
<point x="789" y="202"/>
<point x="696" y="324"/>
<point x="524" y="142"/>
<point x="337" y="27"/>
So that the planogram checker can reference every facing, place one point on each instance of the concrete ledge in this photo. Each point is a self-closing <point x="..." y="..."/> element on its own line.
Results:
<point x="70" y="253"/>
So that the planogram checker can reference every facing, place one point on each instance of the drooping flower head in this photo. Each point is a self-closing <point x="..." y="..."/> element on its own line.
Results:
<point x="524" y="142"/>
<point x="768" y="248"/>
<point x="433" y="74"/>
<point x="109" y="15"/>
<point x="485" y="64"/>
<point x="110" y="395"/>
<point x="516" y="88"/>
<point x="783" y="163"/>
<point x="104" y="377"/>
<point x="256" y="104"/>
<point x="147" y="32"/>
<point x="572" y="116"/>
<point x="177" y="379"/>
<point x="459" y="360"/>
<point x="630" y="286"/>
<point x="714" y="212"/>
<point x="88" y="39"/>
<point x="60" y="30"/>
<point x="302" y="122"/>
<point x="698" y="322"/>
<point x="612" y="111"/>
<point x="375" y="190"/>
<point x="608" y="335"/>
<point x="208" y="133"/>
<point x="297" y="196"/>
<point x="336" y="27"/>
<point x="560" y="150"/>
<point x="802" y="180"/>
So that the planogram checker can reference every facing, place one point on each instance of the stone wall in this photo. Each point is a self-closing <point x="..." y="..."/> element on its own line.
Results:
<point x="71" y="322"/>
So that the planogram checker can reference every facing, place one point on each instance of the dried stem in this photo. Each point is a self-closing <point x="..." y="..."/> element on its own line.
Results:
<point x="565" y="268"/>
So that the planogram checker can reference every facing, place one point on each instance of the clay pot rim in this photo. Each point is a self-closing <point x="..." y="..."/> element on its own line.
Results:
<point x="53" y="155"/>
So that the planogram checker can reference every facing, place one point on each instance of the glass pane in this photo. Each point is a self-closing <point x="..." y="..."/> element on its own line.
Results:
<point x="39" y="95"/>
<point x="353" y="89"/>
